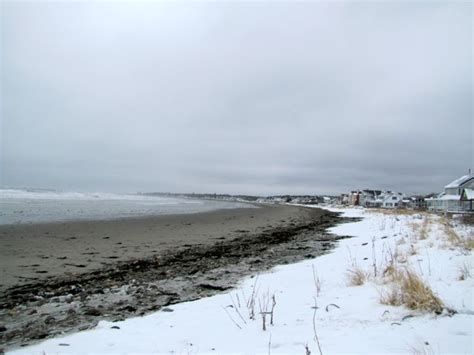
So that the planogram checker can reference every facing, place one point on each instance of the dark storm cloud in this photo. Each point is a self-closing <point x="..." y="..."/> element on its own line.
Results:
<point x="267" y="97"/>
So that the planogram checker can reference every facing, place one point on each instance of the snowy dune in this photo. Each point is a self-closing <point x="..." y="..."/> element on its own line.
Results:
<point x="348" y="319"/>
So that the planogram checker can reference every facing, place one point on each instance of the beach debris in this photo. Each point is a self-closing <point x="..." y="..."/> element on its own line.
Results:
<point x="129" y="308"/>
<point x="50" y="320"/>
<point x="214" y="287"/>
<point x="332" y="305"/>
<point x="93" y="312"/>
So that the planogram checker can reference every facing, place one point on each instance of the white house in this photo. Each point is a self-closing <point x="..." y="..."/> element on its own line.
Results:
<point x="450" y="199"/>
<point x="392" y="199"/>
<point x="371" y="198"/>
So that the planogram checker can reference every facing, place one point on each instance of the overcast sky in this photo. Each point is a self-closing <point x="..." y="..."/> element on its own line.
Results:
<point x="257" y="98"/>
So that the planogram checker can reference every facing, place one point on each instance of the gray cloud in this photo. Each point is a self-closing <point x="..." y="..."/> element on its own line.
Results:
<point x="263" y="98"/>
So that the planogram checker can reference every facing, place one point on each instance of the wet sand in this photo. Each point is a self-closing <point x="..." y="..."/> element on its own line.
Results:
<point x="65" y="277"/>
<point x="36" y="252"/>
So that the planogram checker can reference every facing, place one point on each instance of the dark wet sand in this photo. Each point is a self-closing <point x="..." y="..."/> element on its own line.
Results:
<point x="35" y="252"/>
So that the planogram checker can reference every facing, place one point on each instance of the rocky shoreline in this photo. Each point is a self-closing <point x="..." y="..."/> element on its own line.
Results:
<point x="136" y="287"/>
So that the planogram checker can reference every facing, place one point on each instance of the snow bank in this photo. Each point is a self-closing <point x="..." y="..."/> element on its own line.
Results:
<point x="348" y="319"/>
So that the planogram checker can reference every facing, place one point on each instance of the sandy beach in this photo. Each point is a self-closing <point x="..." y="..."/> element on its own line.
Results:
<point x="66" y="276"/>
<point x="35" y="252"/>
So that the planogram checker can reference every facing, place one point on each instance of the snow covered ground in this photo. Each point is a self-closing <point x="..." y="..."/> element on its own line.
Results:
<point x="348" y="319"/>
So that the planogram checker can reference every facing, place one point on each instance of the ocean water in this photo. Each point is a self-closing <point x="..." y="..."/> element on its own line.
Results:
<point x="36" y="206"/>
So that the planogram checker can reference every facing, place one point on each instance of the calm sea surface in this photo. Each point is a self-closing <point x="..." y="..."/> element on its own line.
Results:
<point x="32" y="206"/>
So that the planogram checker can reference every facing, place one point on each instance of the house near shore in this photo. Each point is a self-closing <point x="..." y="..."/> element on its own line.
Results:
<point x="457" y="196"/>
<point x="343" y="199"/>
<point x="371" y="198"/>
<point x="374" y="198"/>
<point x="354" y="198"/>
<point x="392" y="199"/>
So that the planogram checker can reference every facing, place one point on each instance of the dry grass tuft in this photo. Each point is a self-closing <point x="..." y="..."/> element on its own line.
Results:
<point x="422" y="230"/>
<point x="454" y="239"/>
<point x="401" y="241"/>
<point x="391" y="297"/>
<point x="468" y="243"/>
<point x="452" y="236"/>
<point x="391" y="273"/>
<point x="425" y="229"/>
<point x="410" y="290"/>
<point x="356" y="276"/>
<point x="417" y="295"/>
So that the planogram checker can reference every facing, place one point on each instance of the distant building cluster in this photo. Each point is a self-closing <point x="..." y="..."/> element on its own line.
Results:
<point x="458" y="196"/>
<point x="377" y="199"/>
